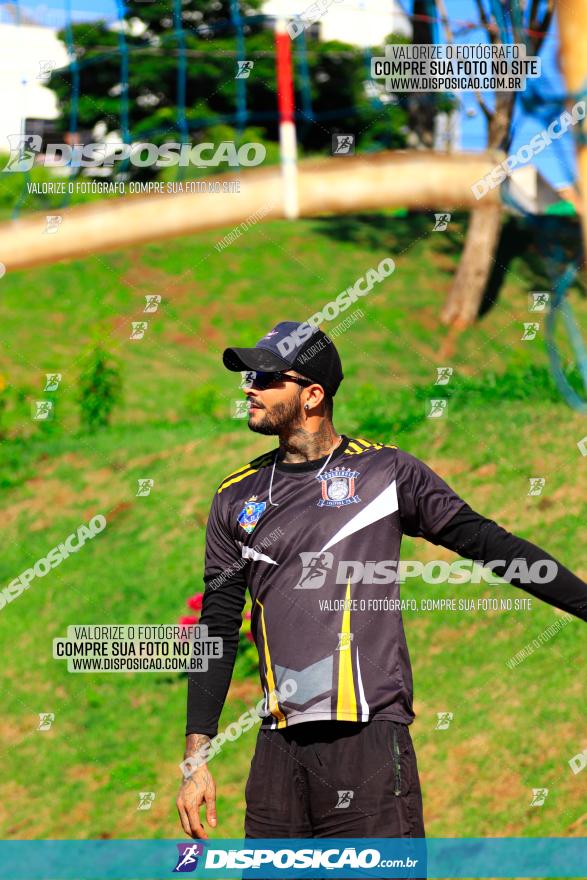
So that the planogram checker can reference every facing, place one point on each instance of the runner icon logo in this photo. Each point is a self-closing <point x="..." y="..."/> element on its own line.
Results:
<point x="315" y="567"/>
<point x="187" y="859"/>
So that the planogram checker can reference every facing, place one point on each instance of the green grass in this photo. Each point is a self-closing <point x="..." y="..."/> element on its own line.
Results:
<point x="116" y="735"/>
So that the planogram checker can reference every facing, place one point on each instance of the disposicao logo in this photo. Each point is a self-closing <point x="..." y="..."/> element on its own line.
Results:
<point x="187" y="858"/>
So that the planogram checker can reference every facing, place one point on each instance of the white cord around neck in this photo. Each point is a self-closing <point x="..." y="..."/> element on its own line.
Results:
<point x="271" y="502"/>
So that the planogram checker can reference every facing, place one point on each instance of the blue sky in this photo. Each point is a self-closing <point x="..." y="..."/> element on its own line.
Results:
<point x="556" y="163"/>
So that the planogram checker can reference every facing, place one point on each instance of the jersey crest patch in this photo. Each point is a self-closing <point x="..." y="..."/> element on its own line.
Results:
<point x="251" y="513"/>
<point x="338" y="487"/>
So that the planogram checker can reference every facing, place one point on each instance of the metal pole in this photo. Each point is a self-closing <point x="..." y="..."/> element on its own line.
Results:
<point x="287" y="128"/>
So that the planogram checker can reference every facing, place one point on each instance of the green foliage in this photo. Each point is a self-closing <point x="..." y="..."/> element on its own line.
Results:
<point x="100" y="389"/>
<point x="217" y="134"/>
<point x="17" y="462"/>
<point x="15" y="190"/>
<point x="521" y="381"/>
<point x="247" y="661"/>
<point x="336" y="70"/>
<point x="205" y="401"/>
<point x="15" y="407"/>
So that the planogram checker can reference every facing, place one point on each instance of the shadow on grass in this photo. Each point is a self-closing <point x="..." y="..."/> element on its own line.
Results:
<point x="521" y="242"/>
<point x="380" y="230"/>
<point x="530" y="244"/>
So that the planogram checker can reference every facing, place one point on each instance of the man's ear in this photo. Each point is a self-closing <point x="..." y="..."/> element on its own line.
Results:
<point x="315" y="391"/>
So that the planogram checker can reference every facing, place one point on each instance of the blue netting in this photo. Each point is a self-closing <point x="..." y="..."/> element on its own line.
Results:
<point x="562" y="273"/>
<point x="304" y="78"/>
<point x="124" y="96"/>
<point x="180" y="102"/>
<point x="241" y="82"/>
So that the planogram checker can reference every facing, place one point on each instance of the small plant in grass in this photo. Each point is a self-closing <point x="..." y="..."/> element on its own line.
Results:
<point x="100" y="389"/>
<point x="205" y="401"/>
<point x="2" y="406"/>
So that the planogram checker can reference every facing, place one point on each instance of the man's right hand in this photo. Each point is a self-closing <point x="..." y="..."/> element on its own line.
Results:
<point x="197" y="788"/>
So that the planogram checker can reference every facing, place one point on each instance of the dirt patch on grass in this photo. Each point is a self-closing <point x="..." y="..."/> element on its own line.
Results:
<point x="207" y="335"/>
<point x="48" y="466"/>
<point x="185" y="450"/>
<point x="13" y="731"/>
<point x="195" y="341"/>
<point x="50" y="495"/>
<point x="150" y="280"/>
<point x="535" y="518"/>
<point x="146" y="281"/>
<point x="578" y="828"/>
<point x="103" y="495"/>
<point x="447" y="467"/>
<point x="486" y="470"/>
<point x="428" y="353"/>
<point x="12" y="794"/>
<point x="117" y="511"/>
<point x="90" y="775"/>
<point x="190" y="511"/>
<point x="447" y="787"/>
<point x="120" y="325"/>
<point x="248" y="691"/>
<point x="104" y="489"/>
<point x="212" y="331"/>
<point x="107" y="489"/>
<point x="428" y="318"/>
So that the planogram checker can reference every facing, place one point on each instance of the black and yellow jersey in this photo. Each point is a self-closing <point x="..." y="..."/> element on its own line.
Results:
<point x="319" y="555"/>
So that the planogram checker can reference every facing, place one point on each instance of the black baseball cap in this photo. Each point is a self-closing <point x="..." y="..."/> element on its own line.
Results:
<point x="291" y="345"/>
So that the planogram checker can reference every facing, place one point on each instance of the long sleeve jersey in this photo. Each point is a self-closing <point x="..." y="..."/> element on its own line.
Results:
<point x="318" y="559"/>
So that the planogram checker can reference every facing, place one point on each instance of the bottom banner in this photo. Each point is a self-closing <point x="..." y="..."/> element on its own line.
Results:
<point x="411" y="859"/>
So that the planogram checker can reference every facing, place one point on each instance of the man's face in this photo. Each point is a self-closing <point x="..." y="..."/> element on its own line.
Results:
<point x="276" y="409"/>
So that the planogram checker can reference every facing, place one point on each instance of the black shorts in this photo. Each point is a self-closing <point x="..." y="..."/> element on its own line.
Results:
<point x="335" y="779"/>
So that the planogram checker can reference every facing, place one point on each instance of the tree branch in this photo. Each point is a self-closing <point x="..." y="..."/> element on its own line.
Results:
<point x="485" y="21"/>
<point x="448" y="34"/>
<point x="533" y="13"/>
<point x="539" y="27"/>
<point x="486" y="110"/>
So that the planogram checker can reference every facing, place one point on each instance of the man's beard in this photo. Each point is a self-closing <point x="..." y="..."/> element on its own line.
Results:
<point x="280" y="420"/>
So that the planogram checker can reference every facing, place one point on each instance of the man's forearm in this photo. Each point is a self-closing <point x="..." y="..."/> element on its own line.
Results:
<point x="197" y="746"/>
<point x="222" y="614"/>
<point x="475" y="537"/>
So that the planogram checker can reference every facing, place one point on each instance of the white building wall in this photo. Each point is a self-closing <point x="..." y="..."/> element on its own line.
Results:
<point x="360" y="23"/>
<point x="22" y="92"/>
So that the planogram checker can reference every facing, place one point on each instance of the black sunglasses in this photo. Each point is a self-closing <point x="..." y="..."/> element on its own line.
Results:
<point x="264" y="380"/>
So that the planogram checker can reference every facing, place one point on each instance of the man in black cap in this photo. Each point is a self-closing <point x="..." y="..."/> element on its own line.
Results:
<point x="313" y="530"/>
<point x="309" y="360"/>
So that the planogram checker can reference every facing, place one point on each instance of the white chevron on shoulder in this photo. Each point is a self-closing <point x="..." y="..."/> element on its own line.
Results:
<point x="382" y="505"/>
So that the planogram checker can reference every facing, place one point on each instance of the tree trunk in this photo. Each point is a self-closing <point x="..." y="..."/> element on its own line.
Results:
<point x="466" y="294"/>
